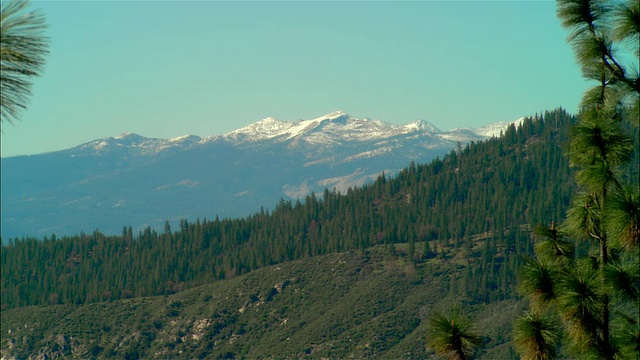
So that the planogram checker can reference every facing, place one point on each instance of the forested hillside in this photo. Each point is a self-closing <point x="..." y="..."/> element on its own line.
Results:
<point x="354" y="304"/>
<point x="494" y="190"/>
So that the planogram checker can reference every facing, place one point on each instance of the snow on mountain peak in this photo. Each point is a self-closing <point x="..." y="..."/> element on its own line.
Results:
<point x="329" y="128"/>
<point x="269" y="120"/>
<point x="126" y="135"/>
<point x="495" y="129"/>
<point x="422" y="125"/>
<point x="129" y="137"/>
<point x="131" y="143"/>
<point x="335" y="128"/>
<point x="184" y="138"/>
<point x="334" y="115"/>
<point x="266" y="128"/>
<point x="483" y="132"/>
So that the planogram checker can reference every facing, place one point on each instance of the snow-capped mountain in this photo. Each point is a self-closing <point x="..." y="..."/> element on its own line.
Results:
<point x="133" y="143"/>
<point x="326" y="131"/>
<point x="133" y="180"/>
<point x="329" y="128"/>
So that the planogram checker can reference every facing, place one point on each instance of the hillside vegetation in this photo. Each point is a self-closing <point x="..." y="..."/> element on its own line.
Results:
<point x="497" y="187"/>
<point x="351" y="304"/>
<point x="358" y="271"/>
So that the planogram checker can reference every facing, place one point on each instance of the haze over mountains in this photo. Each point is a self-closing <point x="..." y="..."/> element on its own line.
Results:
<point x="138" y="181"/>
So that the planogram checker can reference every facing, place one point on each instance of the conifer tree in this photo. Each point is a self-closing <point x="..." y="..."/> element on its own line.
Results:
<point x="22" y="51"/>
<point x="596" y="296"/>
<point x="537" y="337"/>
<point x="452" y="336"/>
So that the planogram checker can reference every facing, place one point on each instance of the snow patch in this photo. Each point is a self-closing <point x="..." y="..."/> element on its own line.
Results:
<point x="494" y="130"/>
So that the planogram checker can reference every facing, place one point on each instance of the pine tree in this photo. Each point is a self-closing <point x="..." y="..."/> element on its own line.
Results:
<point x="537" y="337"/>
<point x="452" y="336"/>
<point x="22" y="51"/>
<point x="596" y="296"/>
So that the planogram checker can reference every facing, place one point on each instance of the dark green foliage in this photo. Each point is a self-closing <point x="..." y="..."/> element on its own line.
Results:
<point x="595" y="292"/>
<point x="352" y="304"/>
<point x="554" y="244"/>
<point x="536" y="336"/>
<point x="452" y="336"/>
<point x="537" y="281"/>
<point x="473" y="205"/>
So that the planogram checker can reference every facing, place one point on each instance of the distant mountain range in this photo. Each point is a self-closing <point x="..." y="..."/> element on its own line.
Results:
<point x="132" y="180"/>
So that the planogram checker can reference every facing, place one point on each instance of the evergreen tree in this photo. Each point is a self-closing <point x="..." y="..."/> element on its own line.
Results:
<point x="22" y="50"/>
<point x="598" y="292"/>
<point x="537" y="337"/>
<point x="452" y="336"/>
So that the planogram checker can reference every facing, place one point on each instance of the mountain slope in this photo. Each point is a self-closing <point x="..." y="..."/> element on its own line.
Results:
<point x="132" y="180"/>
<point x="367" y="304"/>
<point x="367" y="267"/>
<point x="500" y="187"/>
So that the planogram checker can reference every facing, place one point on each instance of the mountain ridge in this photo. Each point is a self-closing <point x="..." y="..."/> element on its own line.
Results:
<point x="336" y="275"/>
<point x="131" y="179"/>
<point x="270" y="127"/>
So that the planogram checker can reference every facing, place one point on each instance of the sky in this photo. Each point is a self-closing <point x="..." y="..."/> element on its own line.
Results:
<point x="168" y="68"/>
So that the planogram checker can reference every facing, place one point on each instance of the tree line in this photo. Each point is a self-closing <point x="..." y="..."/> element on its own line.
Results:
<point x="483" y="198"/>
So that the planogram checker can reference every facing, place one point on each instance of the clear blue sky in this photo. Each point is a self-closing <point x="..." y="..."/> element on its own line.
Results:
<point x="168" y="68"/>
